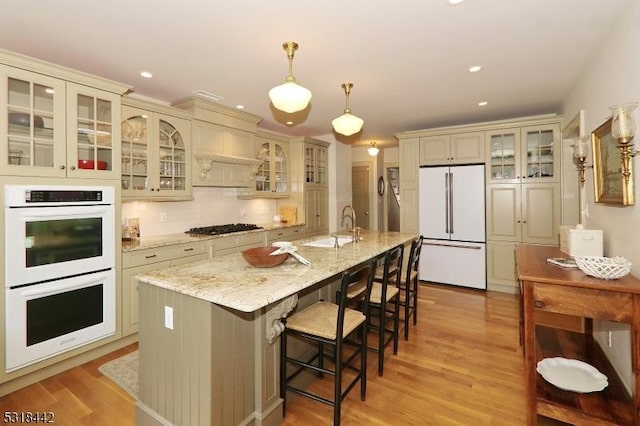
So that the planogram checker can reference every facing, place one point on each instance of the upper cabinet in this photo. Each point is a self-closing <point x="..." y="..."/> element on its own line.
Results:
<point x="155" y="152"/>
<point x="524" y="154"/>
<point x="55" y="122"/>
<point x="315" y="164"/>
<point x="454" y="148"/>
<point x="272" y="176"/>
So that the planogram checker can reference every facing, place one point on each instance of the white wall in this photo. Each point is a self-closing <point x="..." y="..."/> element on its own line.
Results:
<point x="613" y="77"/>
<point x="340" y="188"/>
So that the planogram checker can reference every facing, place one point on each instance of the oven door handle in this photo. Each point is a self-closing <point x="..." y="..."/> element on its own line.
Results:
<point x="76" y="283"/>
<point x="74" y="212"/>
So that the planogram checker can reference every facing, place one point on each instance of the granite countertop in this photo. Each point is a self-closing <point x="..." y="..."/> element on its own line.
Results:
<point x="171" y="239"/>
<point x="231" y="282"/>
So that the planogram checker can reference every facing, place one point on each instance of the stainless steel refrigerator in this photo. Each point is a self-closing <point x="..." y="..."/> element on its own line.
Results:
<point x="452" y="221"/>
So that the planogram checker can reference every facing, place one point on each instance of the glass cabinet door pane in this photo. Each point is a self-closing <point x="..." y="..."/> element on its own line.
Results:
<point x="172" y="157"/>
<point x="135" y="151"/>
<point x="503" y="156"/>
<point x="30" y="133"/>
<point x="321" y="165"/>
<point x="539" y="153"/>
<point x="309" y="165"/>
<point x="94" y="133"/>
<point x="263" y="182"/>
<point x="281" y="167"/>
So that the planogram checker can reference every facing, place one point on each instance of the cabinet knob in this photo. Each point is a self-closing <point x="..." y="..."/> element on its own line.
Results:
<point x="539" y="304"/>
<point x="62" y="167"/>
<point x="73" y="167"/>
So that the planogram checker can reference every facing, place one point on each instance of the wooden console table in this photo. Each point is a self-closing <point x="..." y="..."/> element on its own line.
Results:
<point x="546" y="287"/>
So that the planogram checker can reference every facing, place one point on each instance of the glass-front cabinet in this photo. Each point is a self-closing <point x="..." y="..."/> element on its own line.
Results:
<point x="272" y="177"/>
<point x="155" y="153"/>
<point x="525" y="154"/>
<point x="51" y="127"/>
<point x="93" y="131"/>
<point x="315" y="164"/>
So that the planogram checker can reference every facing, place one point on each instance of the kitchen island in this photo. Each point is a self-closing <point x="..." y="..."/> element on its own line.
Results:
<point x="208" y="336"/>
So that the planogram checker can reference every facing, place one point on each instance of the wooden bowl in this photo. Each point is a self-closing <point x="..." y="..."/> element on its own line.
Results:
<point x="260" y="257"/>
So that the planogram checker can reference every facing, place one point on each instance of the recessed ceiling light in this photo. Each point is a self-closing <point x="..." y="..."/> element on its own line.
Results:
<point x="146" y="74"/>
<point x="475" y="68"/>
<point x="483" y="103"/>
<point x="455" y="1"/>
<point x="240" y="106"/>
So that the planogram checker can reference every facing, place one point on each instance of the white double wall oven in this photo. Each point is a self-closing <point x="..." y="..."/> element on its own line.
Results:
<point x="59" y="269"/>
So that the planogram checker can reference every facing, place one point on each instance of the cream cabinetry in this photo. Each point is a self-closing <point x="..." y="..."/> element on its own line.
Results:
<point x="523" y="191"/>
<point x="309" y="185"/>
<point x="155" y="152"/>
<point x="452" y="148"/>
<point x="228" y="244"/>
<point x="524" y="154"/>
<point x="56" y="122"/>
<point x="272" y="177"/>
<point x="223" y="144"/>
<point x="409" y="150"/>
<point x="141" y="261"/>
<point x="284" y="234"/>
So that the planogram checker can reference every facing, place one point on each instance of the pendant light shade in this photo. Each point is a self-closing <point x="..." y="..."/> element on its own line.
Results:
<point x="347" y="124"/>
<point x="373" y="149"/>
<point x="290" y="96"/>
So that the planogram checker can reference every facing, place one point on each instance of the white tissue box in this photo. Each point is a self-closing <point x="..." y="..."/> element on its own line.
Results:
<point x="580" y="242"/>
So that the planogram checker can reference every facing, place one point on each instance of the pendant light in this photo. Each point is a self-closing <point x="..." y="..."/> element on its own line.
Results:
<point x="347" y="124"/>
<point x="373" y="149"/>
<point x="290" y="96"/>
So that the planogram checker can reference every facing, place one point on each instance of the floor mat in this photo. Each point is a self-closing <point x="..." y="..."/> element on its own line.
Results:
<point x="123" y="371"/>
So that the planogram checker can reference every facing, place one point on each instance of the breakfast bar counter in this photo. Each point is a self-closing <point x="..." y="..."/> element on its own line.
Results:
<point x="208" y="331"/>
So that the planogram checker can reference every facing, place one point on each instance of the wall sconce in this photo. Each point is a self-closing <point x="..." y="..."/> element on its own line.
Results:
<point x="347" y="124"/>
<point x="580" y="154"/>
<point x="290" y="96"/>
<point x="623" y="129"/>
<point x="373" y="149"/>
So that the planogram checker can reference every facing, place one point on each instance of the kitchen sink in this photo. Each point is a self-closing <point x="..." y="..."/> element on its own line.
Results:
<point x="329" y="242"/>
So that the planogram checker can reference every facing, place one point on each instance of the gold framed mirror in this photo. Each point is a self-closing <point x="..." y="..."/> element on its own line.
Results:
<point x="608" y="182"/>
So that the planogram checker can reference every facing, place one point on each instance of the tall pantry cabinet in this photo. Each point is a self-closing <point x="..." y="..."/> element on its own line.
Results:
<point x="522" y="163"/>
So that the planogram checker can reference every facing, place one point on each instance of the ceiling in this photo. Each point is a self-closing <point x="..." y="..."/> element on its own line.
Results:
<point x="408" y="60"/>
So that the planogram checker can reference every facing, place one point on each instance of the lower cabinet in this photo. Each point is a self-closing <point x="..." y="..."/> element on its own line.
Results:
<point x="284" y="234"/>
<point x="316" y="210"/>
<point x="141" y="261"/>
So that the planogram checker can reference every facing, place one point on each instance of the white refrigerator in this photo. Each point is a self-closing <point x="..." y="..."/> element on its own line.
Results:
<point x="452" y="222"/>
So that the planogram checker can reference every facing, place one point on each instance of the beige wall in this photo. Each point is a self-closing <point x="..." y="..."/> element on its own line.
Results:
<point x="612" y="77"/>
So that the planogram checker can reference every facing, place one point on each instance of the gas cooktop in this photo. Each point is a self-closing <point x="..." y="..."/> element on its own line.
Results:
<point x="223" y="229"/>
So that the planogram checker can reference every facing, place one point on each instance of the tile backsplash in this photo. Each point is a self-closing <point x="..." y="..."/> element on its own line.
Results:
<point x="211" y="206"/>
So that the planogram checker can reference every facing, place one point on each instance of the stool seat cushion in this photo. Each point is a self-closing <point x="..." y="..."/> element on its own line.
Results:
<point x="379" y="275"/>
<point x="376" y="293"/>
<point x="320" y="319"/>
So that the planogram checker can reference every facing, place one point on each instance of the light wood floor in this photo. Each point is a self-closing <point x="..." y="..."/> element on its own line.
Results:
<point x="462" y="365"/>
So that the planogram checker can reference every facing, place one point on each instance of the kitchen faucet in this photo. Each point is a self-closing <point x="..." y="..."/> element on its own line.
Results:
<point x="355" y="231"/>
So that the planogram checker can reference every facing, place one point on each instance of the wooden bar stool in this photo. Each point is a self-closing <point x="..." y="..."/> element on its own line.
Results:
<point x="336" y="326"/>
<point x="384" y="308"/>
<point x="408" y="285"/>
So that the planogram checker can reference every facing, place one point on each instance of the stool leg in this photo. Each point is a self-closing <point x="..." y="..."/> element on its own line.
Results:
<point x="415" y="302"/>
<point x="396" y="323"/>
<point x="381" y="336"/>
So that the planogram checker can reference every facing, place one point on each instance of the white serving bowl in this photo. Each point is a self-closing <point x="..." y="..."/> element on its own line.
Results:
<point x="608" y="268"/>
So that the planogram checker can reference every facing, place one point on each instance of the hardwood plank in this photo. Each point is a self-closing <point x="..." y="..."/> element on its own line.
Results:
<point x="462" y="365"/>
